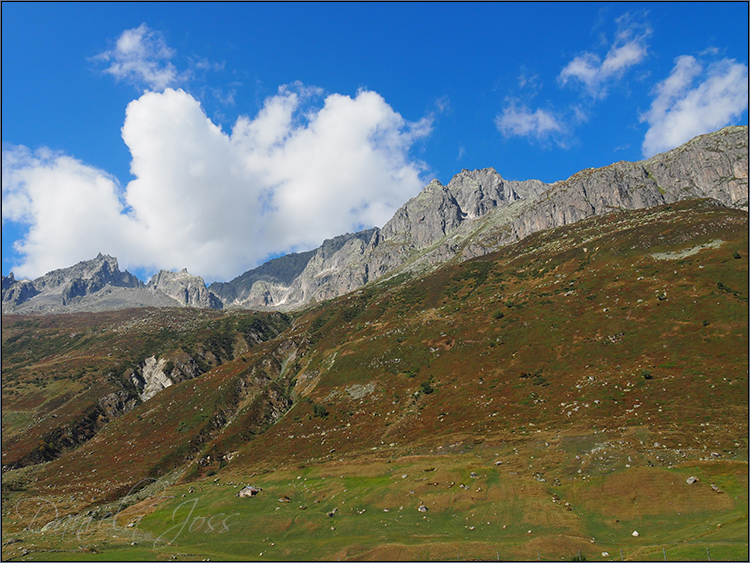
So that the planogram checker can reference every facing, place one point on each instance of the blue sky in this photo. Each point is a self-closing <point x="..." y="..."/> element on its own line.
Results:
<point x="212" y="136"/>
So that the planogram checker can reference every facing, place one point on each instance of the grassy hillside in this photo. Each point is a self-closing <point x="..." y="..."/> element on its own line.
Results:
<point x="600" y="365"/>
<point x="58" y="369"/>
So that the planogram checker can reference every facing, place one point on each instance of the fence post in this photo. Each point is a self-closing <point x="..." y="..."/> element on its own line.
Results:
<point x="664" y="551"/>
<point x="621" y="557"/>
<point x="709" y="554"/>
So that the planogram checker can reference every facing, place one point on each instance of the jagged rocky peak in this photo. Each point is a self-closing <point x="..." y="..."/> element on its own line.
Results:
<point x="188" y="290"/>
<point x="425" y="218"/>
<point x="478" y="191"/>
<point x="98" y="272"/>
<point x="437" y="209"/>
<point x="67" y="284"/>
<point x="17" y="291"/>
<point x="8" y="281"/>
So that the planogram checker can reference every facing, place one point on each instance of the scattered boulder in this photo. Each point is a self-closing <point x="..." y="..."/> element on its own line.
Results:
<point x="332" y="513"/>
<point x="690" y="480"/>
<point x="715" y="488"/>
<point x="285" y="499"/>
<point x="358" y="391"/>
<point x="635" y="534"/>
<point x="422" y="508"/>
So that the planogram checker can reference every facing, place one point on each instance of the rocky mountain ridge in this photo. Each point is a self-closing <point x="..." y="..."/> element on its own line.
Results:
<point x="99" y="285"/>
<point x="477" y="212"/>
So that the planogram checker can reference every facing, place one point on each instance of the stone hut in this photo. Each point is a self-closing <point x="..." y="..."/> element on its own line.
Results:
<point x="248" y="491"/>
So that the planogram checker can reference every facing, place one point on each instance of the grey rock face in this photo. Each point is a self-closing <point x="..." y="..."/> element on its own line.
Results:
<point x="87" y="277"/>
<point x="151" y="379"/>
<point x="117" y="403"/>
<point x="16" y="292"/>
<point x="99" y="285"/>
<point x="710" y="166"/>
<point x="186" y="289"/>
<point x="426" y="218"/>
<point x="279" y="271"/>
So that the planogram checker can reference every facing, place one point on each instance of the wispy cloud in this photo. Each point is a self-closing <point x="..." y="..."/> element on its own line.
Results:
<point x="693" y="100"/>
<point x="629" y="48"/>
<point x="594" y="74"/>
<point x="141" y="56"/>
<point x="529" y="81"/>
<point x="519" y="121"/>
<point x="443" y="105"/>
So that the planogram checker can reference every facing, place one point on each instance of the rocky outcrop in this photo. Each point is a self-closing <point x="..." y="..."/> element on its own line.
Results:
<point x="180" y="366"/>
<point x="186" y="289"/>
<point x="277" y="272"/>
<point x="16" y="292"/>
<point x="117" y="403"/>
<point x="151" y="378"/>
<point x="86" y="278"/>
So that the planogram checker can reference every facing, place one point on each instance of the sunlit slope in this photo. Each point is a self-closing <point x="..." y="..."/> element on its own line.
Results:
<point x="594" y="325"/>
<point x="602" y="363"/>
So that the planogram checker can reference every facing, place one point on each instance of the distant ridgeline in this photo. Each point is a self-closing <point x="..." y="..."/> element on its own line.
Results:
<point x="477" y="212"/>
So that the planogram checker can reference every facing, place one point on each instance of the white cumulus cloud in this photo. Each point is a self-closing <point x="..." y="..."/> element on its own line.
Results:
<point x="694" y="100"/>
<point x="629" y="48"/>
<point x="72" y="210"/>
<point x="217" y="203"/>
<point x="141" y="56"/>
